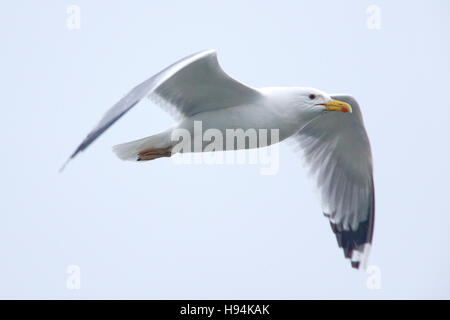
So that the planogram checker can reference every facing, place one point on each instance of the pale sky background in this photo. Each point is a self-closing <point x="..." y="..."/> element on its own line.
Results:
<point x="161" y="231"/>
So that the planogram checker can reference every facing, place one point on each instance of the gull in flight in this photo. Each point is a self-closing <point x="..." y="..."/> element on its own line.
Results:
<point x="328" y="128"/>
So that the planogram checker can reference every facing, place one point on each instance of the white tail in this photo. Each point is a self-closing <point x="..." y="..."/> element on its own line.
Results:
<point x="157" y="146"/>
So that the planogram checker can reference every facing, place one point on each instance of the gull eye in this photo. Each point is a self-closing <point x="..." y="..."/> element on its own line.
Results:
<point x="312" y="96"/>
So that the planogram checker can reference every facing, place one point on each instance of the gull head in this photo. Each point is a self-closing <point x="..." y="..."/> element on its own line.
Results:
<point x="316" y="101"/>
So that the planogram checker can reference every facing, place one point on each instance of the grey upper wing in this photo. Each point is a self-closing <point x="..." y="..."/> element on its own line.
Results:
<point x="337" y="151"/>
<point x="190" y="85"/>
<point x="202" y="85"/>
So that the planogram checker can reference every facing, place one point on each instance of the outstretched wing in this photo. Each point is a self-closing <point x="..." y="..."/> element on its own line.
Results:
<point x="337" y="151"/>
<point x="189" y="86"/>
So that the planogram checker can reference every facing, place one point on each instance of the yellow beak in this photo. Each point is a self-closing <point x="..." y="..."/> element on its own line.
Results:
<point x="335" y="105"/>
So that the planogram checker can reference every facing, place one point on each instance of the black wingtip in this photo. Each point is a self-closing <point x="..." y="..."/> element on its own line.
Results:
<point x="353" y="241"/>
<point x="68" y="160"/>
<point x="64" y="165"/>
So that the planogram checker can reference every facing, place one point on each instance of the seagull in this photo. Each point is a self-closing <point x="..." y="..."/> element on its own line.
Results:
<point x="329" y="130"/>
